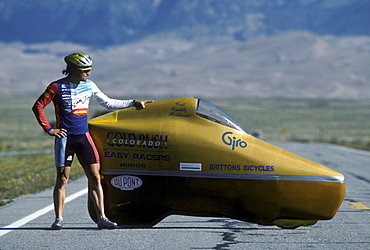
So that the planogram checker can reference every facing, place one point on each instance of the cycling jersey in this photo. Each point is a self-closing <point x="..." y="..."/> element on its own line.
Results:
<point x="71" y="103"/>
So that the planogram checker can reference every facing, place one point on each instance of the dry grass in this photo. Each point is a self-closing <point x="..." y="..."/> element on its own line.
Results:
<point x="28" y="174"/>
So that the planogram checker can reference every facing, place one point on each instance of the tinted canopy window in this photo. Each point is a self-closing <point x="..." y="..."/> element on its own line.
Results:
<point x="211" y="112"/>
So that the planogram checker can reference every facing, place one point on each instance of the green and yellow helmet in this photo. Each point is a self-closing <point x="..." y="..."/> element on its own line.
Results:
<point x="79" y="60"/>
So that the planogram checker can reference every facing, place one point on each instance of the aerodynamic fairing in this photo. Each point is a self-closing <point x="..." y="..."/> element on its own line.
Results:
<point x="187" y="156"/>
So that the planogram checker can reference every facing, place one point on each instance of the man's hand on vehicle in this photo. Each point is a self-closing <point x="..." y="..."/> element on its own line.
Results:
<point x="141" y="104"/>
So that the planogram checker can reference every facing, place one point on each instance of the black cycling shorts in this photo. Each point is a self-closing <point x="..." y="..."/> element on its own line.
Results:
<point x="81" y="145"/>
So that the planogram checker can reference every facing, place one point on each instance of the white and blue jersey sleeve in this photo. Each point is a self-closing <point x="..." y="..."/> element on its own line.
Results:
<point x="107" y="102"/>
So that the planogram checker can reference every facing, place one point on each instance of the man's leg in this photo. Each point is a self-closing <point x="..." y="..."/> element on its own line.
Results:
<point x="59" y="193"/>
<point x="95" y="188"/>
<point x="97" y="196"/>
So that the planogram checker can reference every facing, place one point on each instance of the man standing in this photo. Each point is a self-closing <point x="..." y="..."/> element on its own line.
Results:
<point x="71" y="96"/>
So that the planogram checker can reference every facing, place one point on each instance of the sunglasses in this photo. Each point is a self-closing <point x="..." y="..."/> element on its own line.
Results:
<point x="85" y="71"/>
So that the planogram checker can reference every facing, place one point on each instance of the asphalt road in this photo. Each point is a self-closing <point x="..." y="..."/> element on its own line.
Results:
<point x="25" y="223"/>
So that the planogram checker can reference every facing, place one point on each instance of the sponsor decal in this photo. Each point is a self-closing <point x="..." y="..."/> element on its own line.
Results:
<point x="259" y="168"/>
<point x="179" y="109"/>
<point x="246" y="168"/>
<point x="229" y="139"/>
<point x="111" y="154"/>
<point x="118" y="139"/>
<point x="229" y="167"/>
<point x="126" y="182"/>
<point x="191" y="166"/>
<point x="80" y="101"/>
<point x="132" y="165"/>
<point x="147" y="157"/>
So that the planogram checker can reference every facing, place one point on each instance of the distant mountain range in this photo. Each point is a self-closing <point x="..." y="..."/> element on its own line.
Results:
<point x="111" y="22"/>
<point x="293" y="64"/>
<point x="205" y="48"/>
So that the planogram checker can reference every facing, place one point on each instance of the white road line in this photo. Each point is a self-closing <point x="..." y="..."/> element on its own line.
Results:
<point x="38" y="213"/>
